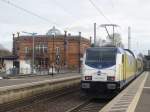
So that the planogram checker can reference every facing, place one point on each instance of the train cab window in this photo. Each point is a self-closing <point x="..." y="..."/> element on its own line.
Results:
<point x="102" y="57"/>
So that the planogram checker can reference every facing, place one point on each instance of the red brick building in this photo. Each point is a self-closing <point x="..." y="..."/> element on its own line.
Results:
<point x="53" y="48"/>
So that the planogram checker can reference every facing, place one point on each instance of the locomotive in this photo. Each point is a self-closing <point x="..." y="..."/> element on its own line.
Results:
<point x="108" y="69"/>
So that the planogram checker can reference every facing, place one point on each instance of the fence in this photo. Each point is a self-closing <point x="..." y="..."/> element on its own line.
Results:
<point x="37" y="71"/>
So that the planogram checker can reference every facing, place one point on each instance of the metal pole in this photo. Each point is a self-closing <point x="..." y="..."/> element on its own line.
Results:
<point x="13" y="44"/>
<point x="33" y="54"/>
<point x="129" y="37"/>
<point x="65" y="43"/>
<point x="90" y="40"/>
<point x="79" y="50"/>
<point x="114" y="35"/>
<point x="94" y="34"/>
<point x="1" y="60"/>
<point x="33" y="46"/>
<point x="53" y="56"/>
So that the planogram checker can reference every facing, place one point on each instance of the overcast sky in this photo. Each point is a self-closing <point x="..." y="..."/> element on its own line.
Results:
<point x="75" y="16"/>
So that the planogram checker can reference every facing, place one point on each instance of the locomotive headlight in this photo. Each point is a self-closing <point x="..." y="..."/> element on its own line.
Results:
<point x="111" y="78"/>
<point x="88" y="77"/>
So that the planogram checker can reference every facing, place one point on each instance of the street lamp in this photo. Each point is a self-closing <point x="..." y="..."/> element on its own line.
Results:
<point x="33" y="44"/>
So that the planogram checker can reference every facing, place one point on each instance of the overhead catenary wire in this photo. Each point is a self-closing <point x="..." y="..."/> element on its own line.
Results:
<point x="66" y="27"/>
<point x="47" y="20"/>
<point x="65" y="10"/>
<point x="99" y="11"/>
<point x="27" y="11"/>
<point x="38" y="16"/>
<point x="34" y="14"/>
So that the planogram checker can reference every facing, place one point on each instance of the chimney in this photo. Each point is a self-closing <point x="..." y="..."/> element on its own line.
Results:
<point x="13" y="35"/>
<point x="65" y="33"/>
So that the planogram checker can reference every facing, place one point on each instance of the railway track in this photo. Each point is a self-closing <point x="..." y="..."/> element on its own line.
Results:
<point x="27" y="103"/>
<point x="63" y="101"/>
<point x="57" y="104"/>
<point x="90" y="105"/>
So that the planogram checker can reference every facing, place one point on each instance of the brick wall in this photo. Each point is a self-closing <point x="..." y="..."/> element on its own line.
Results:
<point x="71" y="54"/>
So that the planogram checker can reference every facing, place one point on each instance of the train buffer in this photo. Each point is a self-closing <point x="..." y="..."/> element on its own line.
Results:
<point x="134" y="98"/>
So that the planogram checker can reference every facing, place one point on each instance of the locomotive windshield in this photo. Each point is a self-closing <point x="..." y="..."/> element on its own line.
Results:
<point x="101" y="57"/>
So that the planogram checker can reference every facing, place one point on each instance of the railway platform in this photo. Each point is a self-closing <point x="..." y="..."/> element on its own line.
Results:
<point x="12" y="90"/>
<point x="34" y="78"/>
<point x="143" y="104"/>
<point x="134" y="98"/>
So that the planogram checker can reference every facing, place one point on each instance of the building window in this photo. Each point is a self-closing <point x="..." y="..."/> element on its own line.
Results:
<point x="58" y="55"/>
<point x="43" y="62"/>
<point x="41" y="48"/>
<point x="57" y="50"/>
<point x="27" y="50"/>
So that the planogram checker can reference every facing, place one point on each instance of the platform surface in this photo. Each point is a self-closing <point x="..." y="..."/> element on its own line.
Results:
<point x="23" y="80"/>
<point x="134" y="98"/>
<point x="143" y="104"/>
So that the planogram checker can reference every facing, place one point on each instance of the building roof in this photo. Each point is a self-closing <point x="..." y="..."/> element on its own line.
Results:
<point x="47" y="37"/>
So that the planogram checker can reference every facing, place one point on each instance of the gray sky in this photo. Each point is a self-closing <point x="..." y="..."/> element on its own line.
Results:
<point x="75" y="16"/>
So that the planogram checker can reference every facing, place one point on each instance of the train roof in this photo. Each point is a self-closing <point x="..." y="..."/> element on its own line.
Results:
<point x="129" y="51"/>
<point x="104" y="47"/>
<point x="118" y="49"/>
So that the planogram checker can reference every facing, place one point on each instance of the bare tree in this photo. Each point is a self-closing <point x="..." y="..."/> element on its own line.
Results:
<point x="115" y="39"/>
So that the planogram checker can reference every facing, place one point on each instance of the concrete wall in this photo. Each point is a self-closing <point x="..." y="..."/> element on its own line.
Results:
<point x="23" y="91"/>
